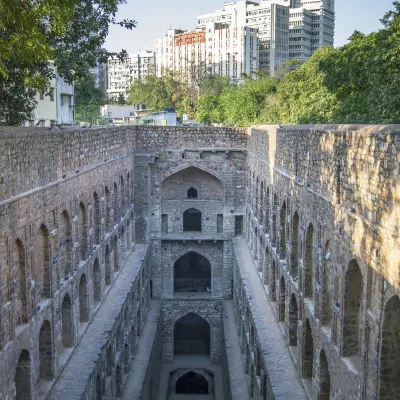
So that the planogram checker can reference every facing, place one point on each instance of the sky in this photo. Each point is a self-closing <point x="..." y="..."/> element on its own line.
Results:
<point x="156" y="16"/>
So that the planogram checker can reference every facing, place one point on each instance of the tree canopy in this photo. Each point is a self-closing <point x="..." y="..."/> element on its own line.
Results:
<point x="36" y="36"/>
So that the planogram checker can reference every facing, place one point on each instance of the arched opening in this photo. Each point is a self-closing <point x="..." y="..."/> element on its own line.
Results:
<point x="274" y="211"/>
<point x="23" y="314"/>
<point x="97" y="281"/>
<point x="191" y="383"/>
<point x="23" y="379"/>
<point x="352" y="310"/>
<point x="293" y="321"/>
<point x="192" y="273"/>
<point x="294" y="255"/>
<point x="96" y="210"/>
<point x="256" y="194"/>
<point x="282" y="240"/>
<point x="118" y="339"/>
<point x="123" y="243"/>
<point x="123" y="201"/>
<point x="326" y="306"/>
<point x="116" y="208"/>
<point x="192" y="335"/>
<point x="273" y="282"/>
<point x="282" y="299"/>
<point x="308" y="352"/>
<point x="128" y="190"/>
<point x="389" y="382"/>
<point x="83" y="300"/>
<point x="118" y="382"/>
<point x="44" y="261"/>
<point x="45" y="352"/>
<point x="267" y="264"/>
<point x="192" y="193"/>
<point x="107" y="195"/>
<point x="267" y="211"/>
<point x="98" y="388"/>
<point x="192" y="220"/>
<point x="308" y="274"/>
<point x="127" y="364"/>
<point x="138" y="323"/>
<point x="262" y="203"/>
<point x="82" y="227"/>
<point x="67" y="322"/>
<point x="67" y="242"/>
<point x="116" y="256"/>
<point x="324" y="388"/>
<point x="107" y="262"/>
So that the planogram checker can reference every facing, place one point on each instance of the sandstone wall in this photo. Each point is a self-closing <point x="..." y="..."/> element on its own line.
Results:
<point x="321" y="222"/>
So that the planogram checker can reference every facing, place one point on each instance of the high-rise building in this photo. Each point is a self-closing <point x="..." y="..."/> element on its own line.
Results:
<point x="100" y="76"/>
<point x="287" y="29"/>
<point x="121" y="75"/>
<point x="221" y="48"/>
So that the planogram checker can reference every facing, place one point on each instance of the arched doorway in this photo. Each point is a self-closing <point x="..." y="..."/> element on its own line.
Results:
<point x="308" y="352"/>
<point x="294" y="255"/>
<point x="282" y="299"/>
<point x="352" y="310"/>
<point x="83" y="300"/>
<point x="192" y="220"/>
<point x="282" y="240"/>
<point x="324" y="378"/>
<point x="43" y="252"/>
<point x="191" y="383"/>
<point x="97" y="281"/>
<point x="83" y="231"/>
<point x="107" y="266"/>
<point x="308" y="262"/>
<point x="192" y="273"/>
<point x="192" y="335"/>
<point x="67" y="322"/>
<point x="20" y="249"/>
<point x="389" y="382"/>
<point x="116" y="255"/>
<point x="45" y="352"/>
<point x="293" y="321"/>
<point x="97" y="221"/>
<point x="23" y="379"/>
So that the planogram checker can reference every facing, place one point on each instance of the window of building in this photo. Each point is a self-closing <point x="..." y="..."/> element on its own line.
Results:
<point x="51" y="94"/>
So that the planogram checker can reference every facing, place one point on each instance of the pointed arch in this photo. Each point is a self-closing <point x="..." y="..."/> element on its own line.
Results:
<point x="83" y="300"/>
<point x="67" y="242"/>
<point x="324" y="380"/>
<point x="309" y="262"/>
<point x="274" y="212"/>
<point x="116" y="254"/>
<point x="97" y="218"/>
<point x="67" y="322"/>
<point x="326" y="304"/>
<point x="191" y="335"/>
<point x="44" y="258"/>
<point x="293" y="321"/>
<point x="23" y="377"/>
<point x="282" y="299"/>
<point x="192" y="220"/>
<point x="294" y="255"/>
<point x="97" y="281"/>
<point x="273" y="282"/>
<point x="123" y="202"/>
<point x="115" y="201"/>
<point x="22" y="281"/>
<point x="308" y="352"/>
<point x="282" y="239"/>
<point x="352" y="310"/>
<point x="389" y="384"/>
<point x="83" y="230"/>
<point x="107" y="262"/>
<point x="107" y="195"/>
<point x="45" y="352"/>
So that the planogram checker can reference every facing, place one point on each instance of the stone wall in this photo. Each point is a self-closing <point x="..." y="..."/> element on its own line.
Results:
<point x="321" y="222"/>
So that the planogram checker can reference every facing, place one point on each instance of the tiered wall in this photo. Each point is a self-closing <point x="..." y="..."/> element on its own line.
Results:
<point x="322" y="224"/>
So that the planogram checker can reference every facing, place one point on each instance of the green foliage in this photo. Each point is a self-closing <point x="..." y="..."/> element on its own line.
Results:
<point x="88" y="100"/>
<point x="37" y="35"/>
<point x="121" y="99"/>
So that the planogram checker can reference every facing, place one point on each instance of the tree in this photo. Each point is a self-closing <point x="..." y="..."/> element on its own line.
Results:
<point x="121" y="99"/>
<point x="88" y="100"/>
<point x="68" y="35"/>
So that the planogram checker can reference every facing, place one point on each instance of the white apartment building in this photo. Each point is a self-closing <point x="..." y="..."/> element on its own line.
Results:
<point x="56" y="106"/>
<point x="100" y="76"/>
<point x="287" y="29"/>
<point x="220" y="48"/>
<point x="121" y="75"/>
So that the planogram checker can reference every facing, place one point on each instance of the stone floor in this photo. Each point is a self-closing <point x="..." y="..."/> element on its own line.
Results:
<point x="283" y="375"/>
<point x="72" y="382"/>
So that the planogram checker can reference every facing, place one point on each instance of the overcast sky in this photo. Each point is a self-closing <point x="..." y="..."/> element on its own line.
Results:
<point x="154" y="17"/>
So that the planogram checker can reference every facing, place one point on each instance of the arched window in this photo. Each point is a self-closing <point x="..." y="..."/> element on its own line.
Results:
<point x="192" y="220"/>
<point x="192" y="273"/>
<point x="191" y="383"/>
<point x="192" y="335"/>
<point x="192" y="193"/>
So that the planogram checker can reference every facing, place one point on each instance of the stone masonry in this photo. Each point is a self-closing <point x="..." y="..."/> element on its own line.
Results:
<point x="291" y="235"/>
